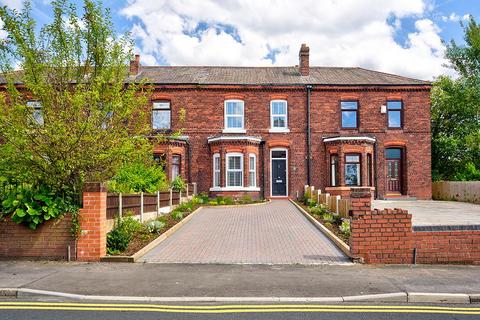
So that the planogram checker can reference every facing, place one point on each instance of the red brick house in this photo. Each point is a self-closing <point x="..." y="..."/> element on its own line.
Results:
<point x="268" y="131"/>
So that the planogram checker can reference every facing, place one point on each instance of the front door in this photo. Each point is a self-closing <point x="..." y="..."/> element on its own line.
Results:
<point x="394" y="171"/>
<point x="279" y="173"/>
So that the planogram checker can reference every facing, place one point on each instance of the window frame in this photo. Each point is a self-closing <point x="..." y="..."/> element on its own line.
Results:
<point x="153" y="110"/>
<point x="395" y="110"/>
<point x="359" y="173"/>
<point x="176" y="165"/>
<point x="217" y="170"/>
<point x="252" y="171"/>
<point x="227" y="170"/>
<point x="279" y="129"/>
<point x="357" y="115"/>
<point x="369" y="169"/>
<point x="225" y="117"/>
<point x="162" y="162"/>
<point x="334" y="170"/>
<point x="37" y="109"/>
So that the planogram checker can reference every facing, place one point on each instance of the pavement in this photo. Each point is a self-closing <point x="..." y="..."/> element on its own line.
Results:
<point x="210" y="280"/>
<point x="272" y="233"/>
<point x="435" y="213"/>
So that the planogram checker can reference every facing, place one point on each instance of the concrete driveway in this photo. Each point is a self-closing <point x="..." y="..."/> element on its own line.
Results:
<point x="435" y="213"/>
<point x="273" y="233"/>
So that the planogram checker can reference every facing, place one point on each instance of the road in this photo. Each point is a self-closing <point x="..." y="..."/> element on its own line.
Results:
<point x="20" y="310"/>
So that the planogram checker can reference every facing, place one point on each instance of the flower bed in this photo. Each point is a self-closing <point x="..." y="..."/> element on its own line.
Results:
<point x="333" y="222"/>
<point x="129" y="235"/>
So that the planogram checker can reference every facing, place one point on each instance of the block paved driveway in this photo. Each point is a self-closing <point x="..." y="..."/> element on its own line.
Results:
<point x="273" y="233"/>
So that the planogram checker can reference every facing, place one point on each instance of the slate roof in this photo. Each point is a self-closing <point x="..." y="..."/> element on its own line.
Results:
<point x="270" y="76"/>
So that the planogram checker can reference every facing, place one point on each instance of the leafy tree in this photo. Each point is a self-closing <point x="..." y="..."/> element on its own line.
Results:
<point x="456" y="112"/>
<point x="139" y="177"/>
<point x="67" y="116"/>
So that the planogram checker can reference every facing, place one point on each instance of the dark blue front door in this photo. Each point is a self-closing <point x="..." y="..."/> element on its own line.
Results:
<point x="279" y="177"/>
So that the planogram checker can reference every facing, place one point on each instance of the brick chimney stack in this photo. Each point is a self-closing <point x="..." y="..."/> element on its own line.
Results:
<point x="135" y="65"/>
<point x="304" y="57"/>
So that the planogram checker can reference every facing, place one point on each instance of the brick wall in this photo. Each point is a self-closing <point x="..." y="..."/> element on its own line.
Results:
<point x="461" y="246"/>
<point x="379" y="236"/>
<point x="204" y="108"/>
<point x="386" y="236"/>
<point x="92" y="242"/>
<point x="50" y="240"/>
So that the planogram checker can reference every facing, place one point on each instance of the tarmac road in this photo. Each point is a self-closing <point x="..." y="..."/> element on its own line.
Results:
<point x="20" y="310"/>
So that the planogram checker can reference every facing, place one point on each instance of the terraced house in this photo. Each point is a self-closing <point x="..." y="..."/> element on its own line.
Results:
<point x="268" y="131"/>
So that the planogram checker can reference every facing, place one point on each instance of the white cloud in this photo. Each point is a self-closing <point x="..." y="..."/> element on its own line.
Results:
<point x="339" y="33"/>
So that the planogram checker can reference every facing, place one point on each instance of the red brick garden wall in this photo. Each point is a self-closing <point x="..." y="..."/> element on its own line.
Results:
<point x="387" y="237"/>
<point x="50" y="240"/>
<point x="447" y="246"/>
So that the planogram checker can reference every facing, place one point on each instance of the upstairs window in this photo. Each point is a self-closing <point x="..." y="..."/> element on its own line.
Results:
<point x="278" y="115"/>
<point x="234" y="170"/>
<point x="234" y="115"/>
<point x="349" y="111"/>
<point x="394" y="114"/>
<point x="252" y="173"/>
<point x="161" y="116"/>
<point x="37" y="113"/>
<point x="216" y="170"/>
<point x="352" y="170"/>
<point x="176" y="159"/>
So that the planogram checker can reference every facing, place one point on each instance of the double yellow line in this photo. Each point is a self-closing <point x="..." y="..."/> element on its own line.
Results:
<point x="235" y="308"/>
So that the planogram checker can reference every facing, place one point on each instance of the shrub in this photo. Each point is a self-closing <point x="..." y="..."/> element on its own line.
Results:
<point x="178" y="184"/>
<point x="212" y="202"/>
<point x="245" y="199"/>
<point x="311" y="202"/>
<point x="319" y="210"/>
<point x="202" y="197"/>
<point x="138" y="177"/>
<point x="177" y="215"/>
<point x="155" y="226"/>
<point x="123" y="232"/>
<point x="219" y="199"/>
<point x="32" y="205"/>
<point x="228" y="200"/>
<point x="345" y="227"/>
<point x="327" y="217"/>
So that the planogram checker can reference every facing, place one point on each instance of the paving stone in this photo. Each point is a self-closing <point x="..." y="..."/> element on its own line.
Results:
<point x="274" y="233"/>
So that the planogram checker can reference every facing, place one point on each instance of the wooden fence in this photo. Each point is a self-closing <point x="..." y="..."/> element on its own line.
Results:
<point x="118" y="204"/>
<point x="465" y="191"/>
<point x="334" y="203"/>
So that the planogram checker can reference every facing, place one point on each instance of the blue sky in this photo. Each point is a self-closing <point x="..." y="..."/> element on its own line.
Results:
<point x="398" y="36"/>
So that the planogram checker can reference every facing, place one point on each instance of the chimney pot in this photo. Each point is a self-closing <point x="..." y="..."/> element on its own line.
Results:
<point x="304" y="57"/>
<point x="135" y="65"/>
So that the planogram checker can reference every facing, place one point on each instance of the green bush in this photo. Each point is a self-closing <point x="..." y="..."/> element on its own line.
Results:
<point x="178" y="184"/>
<point x="345" y="227"/>
<point x="213" y="202"/>
<point x="228" y="200"/>
<point x="123" y="232"/>
<point x="177" y="215"/>
<point x="318" y="210"/>
<point x="245" y="199"/>
<point x="138" y="177"/>
<point x="219" y="199"/>
<point x="33" y="205"/>
<point x="327" y="217"/>
<point x="155" y="226"/>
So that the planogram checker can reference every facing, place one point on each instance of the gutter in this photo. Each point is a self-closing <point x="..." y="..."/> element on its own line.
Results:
<point x="309" y="136"/>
